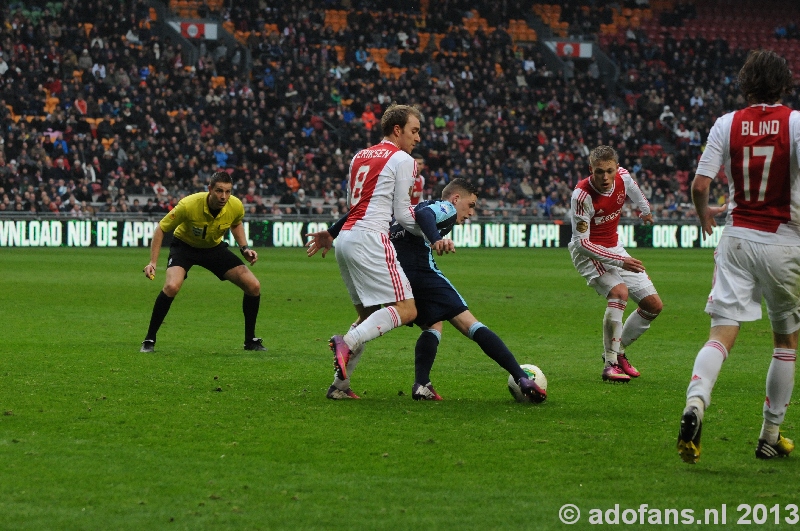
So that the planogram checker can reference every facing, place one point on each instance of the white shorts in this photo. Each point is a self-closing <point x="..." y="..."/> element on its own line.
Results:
<point x="745" y="271"/>
<point x="370" y="269"/>
<point x="603" y="277"/>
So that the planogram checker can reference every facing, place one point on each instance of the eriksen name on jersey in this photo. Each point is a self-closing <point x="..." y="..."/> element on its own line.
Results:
<point x="375" y="153"/>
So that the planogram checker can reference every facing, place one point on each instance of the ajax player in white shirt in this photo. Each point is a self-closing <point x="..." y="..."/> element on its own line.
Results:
<point x="380" y="184"/>
<point x="758" y="254"/>
<point x="615" y="275"/>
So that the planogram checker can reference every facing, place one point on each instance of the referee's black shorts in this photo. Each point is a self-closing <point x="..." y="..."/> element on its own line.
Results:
<point x="219" y="260"/>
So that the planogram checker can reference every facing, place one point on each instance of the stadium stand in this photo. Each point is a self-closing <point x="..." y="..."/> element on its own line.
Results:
<point x="102" y="113"/>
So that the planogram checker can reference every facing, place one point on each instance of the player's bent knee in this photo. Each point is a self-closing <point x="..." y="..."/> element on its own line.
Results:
<point x="171" y="290"/>
<point x="651" y="304"/>
<point x="406" y="310"/>
<point x="409" y="315"/>
<point x="253" y="288"/>
<point x="654" y="307"/>
<point x="620" y="291"/>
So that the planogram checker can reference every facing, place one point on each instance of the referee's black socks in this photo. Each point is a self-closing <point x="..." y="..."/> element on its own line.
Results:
<point x="160" y="309"/>
<point x="250" y="306"/>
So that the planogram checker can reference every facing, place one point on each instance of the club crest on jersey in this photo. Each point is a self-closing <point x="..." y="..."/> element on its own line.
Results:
<point x="620" y="199"/>
<point x="582" y="226"/>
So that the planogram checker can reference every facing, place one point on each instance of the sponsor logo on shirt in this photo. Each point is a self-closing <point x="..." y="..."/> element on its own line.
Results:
<point x="599" y="220"/>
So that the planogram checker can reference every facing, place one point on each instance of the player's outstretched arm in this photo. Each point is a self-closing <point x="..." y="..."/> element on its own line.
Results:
<point x="155" y="248"/>
<point x="319" y="240"/>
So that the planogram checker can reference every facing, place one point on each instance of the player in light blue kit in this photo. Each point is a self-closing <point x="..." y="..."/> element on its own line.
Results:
<point x="436" y="298"/>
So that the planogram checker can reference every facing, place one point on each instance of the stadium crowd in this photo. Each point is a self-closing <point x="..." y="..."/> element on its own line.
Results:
<point x="101" y="115"/>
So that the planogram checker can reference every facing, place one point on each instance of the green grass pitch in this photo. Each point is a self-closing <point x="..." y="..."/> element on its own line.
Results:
<point x="204" y="435"/>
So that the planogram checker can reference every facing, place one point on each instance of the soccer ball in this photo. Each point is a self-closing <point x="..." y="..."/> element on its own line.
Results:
<point x="534" y="373"/>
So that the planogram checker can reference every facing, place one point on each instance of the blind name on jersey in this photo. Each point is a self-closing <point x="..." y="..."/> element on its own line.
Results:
<point x="771" y="127"/>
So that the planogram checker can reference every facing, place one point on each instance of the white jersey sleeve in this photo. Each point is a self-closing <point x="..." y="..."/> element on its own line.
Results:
<point x="582" y="211"/>
<point x="347" y="189"/>
<point x="633" y="191"/>
<point x="717" y="148"/>
<point x="402" y="209"/>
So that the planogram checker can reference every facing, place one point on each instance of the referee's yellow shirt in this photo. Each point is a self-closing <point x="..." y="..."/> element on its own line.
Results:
<point x="193" y="223"/>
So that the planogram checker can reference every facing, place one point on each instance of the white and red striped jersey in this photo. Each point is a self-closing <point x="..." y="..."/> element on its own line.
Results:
<point x="419" y="188"/>
<point x="758" y="147"/>
<point x="595" y="217"/>
<point x="381" y="178"/>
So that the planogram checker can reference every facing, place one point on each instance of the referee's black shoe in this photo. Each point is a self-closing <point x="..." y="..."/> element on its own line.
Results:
<point x="148" y="345"/>
<point x="254" y="344"/>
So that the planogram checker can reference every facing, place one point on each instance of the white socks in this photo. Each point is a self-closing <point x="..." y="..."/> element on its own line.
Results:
<point x="373" y="326"/>
<point x="780" y="382"/>
<point x="636" y="324"/>
<point x="707" y="365"/>
<point x="612" y="329"/>
<point x="770" y="432"/>
<point x="355" y="357"/>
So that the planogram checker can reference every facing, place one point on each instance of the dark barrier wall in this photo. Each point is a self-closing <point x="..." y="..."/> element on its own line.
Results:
<point x="120" y="233"/>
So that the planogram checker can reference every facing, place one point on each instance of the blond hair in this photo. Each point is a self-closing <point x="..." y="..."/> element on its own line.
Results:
<point x="603" y="153"/>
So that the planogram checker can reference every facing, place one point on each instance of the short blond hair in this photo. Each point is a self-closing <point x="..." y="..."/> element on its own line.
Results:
<point x="603" y="153"/>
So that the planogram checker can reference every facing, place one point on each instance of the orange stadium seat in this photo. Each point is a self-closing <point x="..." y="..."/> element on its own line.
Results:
<point x="424" y="38"/>
<point x="339" y="52"/>
<point x="51" y="104"/>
